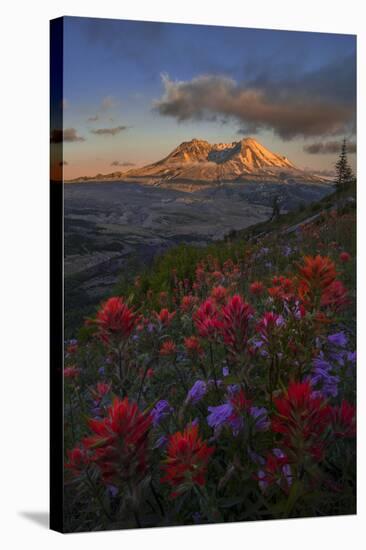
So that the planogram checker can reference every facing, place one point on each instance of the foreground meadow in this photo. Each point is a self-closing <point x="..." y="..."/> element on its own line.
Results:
<point x="220" y="386"/>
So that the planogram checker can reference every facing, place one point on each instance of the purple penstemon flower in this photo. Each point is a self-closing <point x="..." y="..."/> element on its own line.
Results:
<point x="321" y="374"/>
<point x="161" y="410"/>
<point x="260" y="416"/>
<point x="219" y="415"/>
<point x="338" y="339"/>
<point x="255" y="457"/>
<point x="257" y="343"/>
<point x="112" y="490"/>
<point x="286" y="469"/>
<point x="197" y="392"/>
<point x="232" y="389"/>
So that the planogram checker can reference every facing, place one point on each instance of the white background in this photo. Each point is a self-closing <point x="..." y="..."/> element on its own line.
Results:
<point x="24" y="286"/>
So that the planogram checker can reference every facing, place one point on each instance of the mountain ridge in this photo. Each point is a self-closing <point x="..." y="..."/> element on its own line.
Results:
<point x="201" y="162"/>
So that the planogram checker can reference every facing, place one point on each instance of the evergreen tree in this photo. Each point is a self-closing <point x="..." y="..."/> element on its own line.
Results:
<point x="344" y="174"/>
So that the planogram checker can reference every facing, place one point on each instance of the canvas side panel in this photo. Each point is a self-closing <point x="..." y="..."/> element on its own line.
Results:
<point x="56" y="275"/>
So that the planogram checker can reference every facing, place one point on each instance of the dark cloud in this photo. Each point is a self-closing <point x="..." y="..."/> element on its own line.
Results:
<point x="125" y="163"/>
<point x="67" y="134"/>
<point x="109" y="131"/>
<point x="63" y="163"/>
<point x="328" y="147"/>
<point x="288" y="114"/>
<point x="335" y="81"/>
<point x="93" y="118"/>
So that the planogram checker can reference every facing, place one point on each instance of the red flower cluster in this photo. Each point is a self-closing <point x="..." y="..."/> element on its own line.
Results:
<point x="256" y="288"/>
<point x="236" y="315"/>
<point x="120" y="442"/>
<point x="165" y="317"/>
<point x="283" y="288"/>
<point x="186" y="462"/>
<point x="344" y="420"/>
<point x="344" y="257"/>
<point x="168" y="348"/>
<point x="206" y="320"/>
<point x="318" y="285"/>
<point x="268" y="325"/>
<point x="302" y="419"/>
<point x="78" y="461"/>
<point x="188" y="303"/>
<point x="240" y="402"/>
<point x="218" y="294"/>
<point x="71" y="372"/>
<point x="193" y="346"/>
<point x="335" y="296"/>
<point x="115" y="320"/>
<point x="275" y="470"/>
<point x="100" y="391"/>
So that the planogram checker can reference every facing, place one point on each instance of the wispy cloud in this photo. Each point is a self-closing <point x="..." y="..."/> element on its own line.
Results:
<point x="93" y="118"/>
<point x="109" y="131"/>
<point x="125" y="163"/>
<point x="109" y="102"/>
<point x="67" y="134"/>
<point x="328" y="147"/>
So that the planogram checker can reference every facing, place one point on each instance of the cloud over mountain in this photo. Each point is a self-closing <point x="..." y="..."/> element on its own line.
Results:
<point x="254" y="108"/>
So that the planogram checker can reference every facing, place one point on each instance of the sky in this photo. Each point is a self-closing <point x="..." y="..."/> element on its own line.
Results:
<point x="133" y="91"/>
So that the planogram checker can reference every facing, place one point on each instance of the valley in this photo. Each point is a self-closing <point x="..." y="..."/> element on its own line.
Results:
<point x="115" y="229"/>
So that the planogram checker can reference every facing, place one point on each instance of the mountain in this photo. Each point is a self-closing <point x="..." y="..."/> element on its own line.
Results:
<point x="200" y="162"/>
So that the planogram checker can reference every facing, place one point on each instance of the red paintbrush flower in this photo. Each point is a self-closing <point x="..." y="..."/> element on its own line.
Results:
<point x="71" y="372"/>
<point x="218" y="294"/>
<point x="206" y="319"/>
<point x="283" y="288"/>
<point x="168" y="348"/>
<point x="236" y="315"/>
<point x="72" y="348"/>
<point x="240" y="402"/>
<point x="344" y="420"/>
<point x="316" y="275"/>
<point x="100" y="391"/>
<point x="193" y="346"/>
<point x="302" y="419"/>
<point x="186" y="461"/>
<point x="115" y="320"/>
<point x="120" y="442"/>
<point x="275" y="470"/>
<point x="188" y="303"/>
<point x="344" y="257"/>
<point x="165" y="317"/>
<point x="335" y="296"/>
<point x="269" y="324"/>
<point x="78" y="460"/>
<point x="256" y="288"/>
